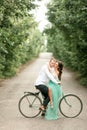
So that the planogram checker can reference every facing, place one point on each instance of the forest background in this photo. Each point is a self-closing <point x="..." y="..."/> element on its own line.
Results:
<point x="21" y="41"/>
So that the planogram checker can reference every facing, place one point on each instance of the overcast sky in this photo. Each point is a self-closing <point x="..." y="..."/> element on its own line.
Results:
<point x="40" y="14"/>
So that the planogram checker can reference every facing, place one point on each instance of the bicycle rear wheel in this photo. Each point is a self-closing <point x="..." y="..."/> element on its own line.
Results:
<point x="29" y="105"/>
<point x="70" y="106"/>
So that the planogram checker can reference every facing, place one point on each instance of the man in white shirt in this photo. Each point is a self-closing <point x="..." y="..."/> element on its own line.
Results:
<point x="42" y="81"/>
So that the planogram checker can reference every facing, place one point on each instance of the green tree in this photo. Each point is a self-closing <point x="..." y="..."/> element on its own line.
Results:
<point x="18" y="33"/>
<point x="69" y="42"/>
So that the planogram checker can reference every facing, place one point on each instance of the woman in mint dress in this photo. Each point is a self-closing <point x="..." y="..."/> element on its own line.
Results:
<point x="56" y="89"/>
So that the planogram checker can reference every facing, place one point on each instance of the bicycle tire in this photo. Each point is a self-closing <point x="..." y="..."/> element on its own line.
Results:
<point x="70" y="106"/>
<point x="29" y="105"/>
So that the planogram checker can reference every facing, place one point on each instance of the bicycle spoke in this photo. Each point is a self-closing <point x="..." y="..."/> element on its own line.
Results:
<point x="70" y="106"/>
<point x="29" y="105"/>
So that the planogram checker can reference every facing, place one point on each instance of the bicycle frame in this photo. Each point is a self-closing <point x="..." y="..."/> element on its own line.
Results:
<point x="36" y="93"/>
<point x="65" y="100"/>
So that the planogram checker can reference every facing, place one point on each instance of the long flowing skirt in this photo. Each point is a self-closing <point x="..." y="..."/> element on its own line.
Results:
<point x="52" y="113"/>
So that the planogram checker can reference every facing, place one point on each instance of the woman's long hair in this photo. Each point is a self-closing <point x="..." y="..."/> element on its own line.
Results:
<point x="60" y="68"/>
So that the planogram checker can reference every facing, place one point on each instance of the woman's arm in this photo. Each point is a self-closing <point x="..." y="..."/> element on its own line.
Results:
<point x="50" y="76"/>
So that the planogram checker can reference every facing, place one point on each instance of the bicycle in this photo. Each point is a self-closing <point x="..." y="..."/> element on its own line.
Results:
<point x="70" y="105"/>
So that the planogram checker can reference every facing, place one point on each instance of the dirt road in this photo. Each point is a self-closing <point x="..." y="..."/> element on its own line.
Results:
<point x="12" y="89"/>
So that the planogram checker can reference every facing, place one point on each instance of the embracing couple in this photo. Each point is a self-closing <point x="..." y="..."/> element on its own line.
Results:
<point x="49" y="84"/>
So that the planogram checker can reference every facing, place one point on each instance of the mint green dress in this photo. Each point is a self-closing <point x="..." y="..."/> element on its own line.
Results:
<point x="52" y="113"/>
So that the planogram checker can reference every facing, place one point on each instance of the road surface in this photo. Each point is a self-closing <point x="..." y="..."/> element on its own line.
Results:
<point x="12" y="89"/>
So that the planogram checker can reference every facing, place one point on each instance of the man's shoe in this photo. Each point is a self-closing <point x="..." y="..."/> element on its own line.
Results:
<point x="43" y="114"/>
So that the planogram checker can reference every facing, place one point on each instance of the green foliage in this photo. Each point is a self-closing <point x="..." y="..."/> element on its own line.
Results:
<point x="20" y="40"/>
<point x="67" y="38"/>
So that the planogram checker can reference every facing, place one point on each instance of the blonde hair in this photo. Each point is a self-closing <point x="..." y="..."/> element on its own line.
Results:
<point x="52" y="58"/>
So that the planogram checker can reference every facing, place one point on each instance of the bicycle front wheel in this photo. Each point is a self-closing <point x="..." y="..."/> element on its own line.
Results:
<point x="70" y="106"/>
<point x="29" y="105"/>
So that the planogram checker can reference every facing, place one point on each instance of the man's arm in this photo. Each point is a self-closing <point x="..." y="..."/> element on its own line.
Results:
<point x="51" y="76"/>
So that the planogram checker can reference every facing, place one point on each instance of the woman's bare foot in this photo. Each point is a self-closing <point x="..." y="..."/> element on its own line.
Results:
<point x="42" y="108"/>
<point x="51" y="104"/>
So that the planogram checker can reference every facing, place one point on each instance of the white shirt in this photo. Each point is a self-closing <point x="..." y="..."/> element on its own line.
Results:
<point x="45" y="76"/>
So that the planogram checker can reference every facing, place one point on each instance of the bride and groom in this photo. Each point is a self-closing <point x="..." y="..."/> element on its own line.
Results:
<point x="49" y="83"/>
